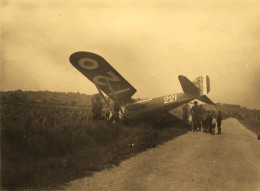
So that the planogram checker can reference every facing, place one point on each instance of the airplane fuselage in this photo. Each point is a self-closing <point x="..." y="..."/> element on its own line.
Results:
<point x="149" y="108"/>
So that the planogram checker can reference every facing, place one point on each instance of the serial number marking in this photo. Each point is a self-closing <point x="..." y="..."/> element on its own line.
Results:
<point x="169" y="99"/>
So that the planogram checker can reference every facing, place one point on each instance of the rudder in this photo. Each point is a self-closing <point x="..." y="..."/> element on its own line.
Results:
<point x="203" y="83"/>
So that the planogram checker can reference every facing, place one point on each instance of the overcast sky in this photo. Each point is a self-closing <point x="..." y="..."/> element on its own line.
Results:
<point x="150" y="43"/>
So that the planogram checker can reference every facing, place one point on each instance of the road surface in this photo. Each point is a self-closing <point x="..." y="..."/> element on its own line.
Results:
<point x="194" y="161"/>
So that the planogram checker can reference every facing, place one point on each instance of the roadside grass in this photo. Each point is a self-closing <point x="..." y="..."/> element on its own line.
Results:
<point x="252" y="125"/>
<point x="36" y="156"/>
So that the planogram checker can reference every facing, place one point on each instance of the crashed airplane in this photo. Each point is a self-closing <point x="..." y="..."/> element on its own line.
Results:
<point x="110" y="82"/>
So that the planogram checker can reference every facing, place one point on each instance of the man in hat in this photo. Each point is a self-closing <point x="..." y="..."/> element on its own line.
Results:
<point x="195" y="113"/>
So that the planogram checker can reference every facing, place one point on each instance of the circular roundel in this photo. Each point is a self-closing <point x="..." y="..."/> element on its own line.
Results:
<point x="88" y="63"/>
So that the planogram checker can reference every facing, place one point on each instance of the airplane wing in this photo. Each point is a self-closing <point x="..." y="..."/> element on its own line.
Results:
<point x="103" y="75"/>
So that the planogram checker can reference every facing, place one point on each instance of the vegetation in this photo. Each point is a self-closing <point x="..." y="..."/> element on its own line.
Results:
<point x="48" y="138"/>
<point x="237" y="111"/>
<point x="46" y="98"/>
<point x="45" y="145"/>
<point x="253" y="125"/>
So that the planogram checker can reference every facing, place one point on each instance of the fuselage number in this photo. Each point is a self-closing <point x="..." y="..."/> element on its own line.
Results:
<point x="170" y="98"/>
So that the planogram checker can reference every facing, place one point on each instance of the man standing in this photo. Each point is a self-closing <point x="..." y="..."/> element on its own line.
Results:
<point x="96" y="108"/>
<point x="213" y="125"/>
<point x="201" y="113"/>
<point x="209" y="119"/>
<point x="185" y="114"/>
<point x="204" y="121"/>
<point x="219" y="119"/>
<point x="195" y="112"/>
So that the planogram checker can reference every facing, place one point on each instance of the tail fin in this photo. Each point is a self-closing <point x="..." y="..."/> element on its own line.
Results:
<point x="187" y="86"/>
<point x="200" y="87"/>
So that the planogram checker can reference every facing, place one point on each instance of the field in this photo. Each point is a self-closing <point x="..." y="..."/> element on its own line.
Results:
<point x="253" y="125"/>
<point x="48" y="138"/>
<point x="45" y="146"/>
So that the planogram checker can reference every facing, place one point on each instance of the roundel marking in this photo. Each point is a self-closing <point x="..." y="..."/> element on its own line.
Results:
<point x="88" y="63"/>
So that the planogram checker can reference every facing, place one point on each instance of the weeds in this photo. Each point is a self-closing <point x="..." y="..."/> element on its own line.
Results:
<point x="67" y="146"/>
<point x="252" y="125"/>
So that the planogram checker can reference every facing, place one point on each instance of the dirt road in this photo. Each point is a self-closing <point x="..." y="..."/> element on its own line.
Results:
<point x="194" y="161"/>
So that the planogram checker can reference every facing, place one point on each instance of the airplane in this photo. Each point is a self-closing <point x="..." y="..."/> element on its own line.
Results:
<point x="108" y="81"/>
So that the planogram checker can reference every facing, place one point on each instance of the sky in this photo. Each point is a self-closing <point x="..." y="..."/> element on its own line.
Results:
<point x="149" y="43"/>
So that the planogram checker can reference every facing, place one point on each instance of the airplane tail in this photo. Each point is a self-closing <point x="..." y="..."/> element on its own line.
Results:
<point x="200" y="87"/>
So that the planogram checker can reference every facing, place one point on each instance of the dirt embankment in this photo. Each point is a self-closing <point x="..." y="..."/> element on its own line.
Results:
<point x="194" y="161"/>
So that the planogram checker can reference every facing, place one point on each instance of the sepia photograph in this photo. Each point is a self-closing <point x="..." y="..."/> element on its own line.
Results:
<point x="130" y="95"/>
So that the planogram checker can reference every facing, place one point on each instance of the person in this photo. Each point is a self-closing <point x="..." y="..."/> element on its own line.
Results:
<point x="96" y="108"/>
<point x="93" y="106"/>
<point x="219" y="120"/>
<point x="213" y="125"/>
<point x="204" y="121"/>
<point x="185" y="114"/>
<point x="201" y="113"/>
<point x="195" y="112"/>
<point x="209" y="122"/>
<point x="190" y="121"/>
<point x="115" y="115"/>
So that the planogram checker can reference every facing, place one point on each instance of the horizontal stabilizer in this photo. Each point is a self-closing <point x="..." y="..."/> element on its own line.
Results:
<point x="187" y="86"/>
<point x="205" y="99"/>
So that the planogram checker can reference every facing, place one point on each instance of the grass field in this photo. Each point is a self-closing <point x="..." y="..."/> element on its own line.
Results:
<point x="251" y="124"/>
<point x="44" y="147"/>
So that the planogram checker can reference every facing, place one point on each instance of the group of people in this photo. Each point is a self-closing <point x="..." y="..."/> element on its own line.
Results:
<point x="202" y="120"/>
<point x="112" y="114"/>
